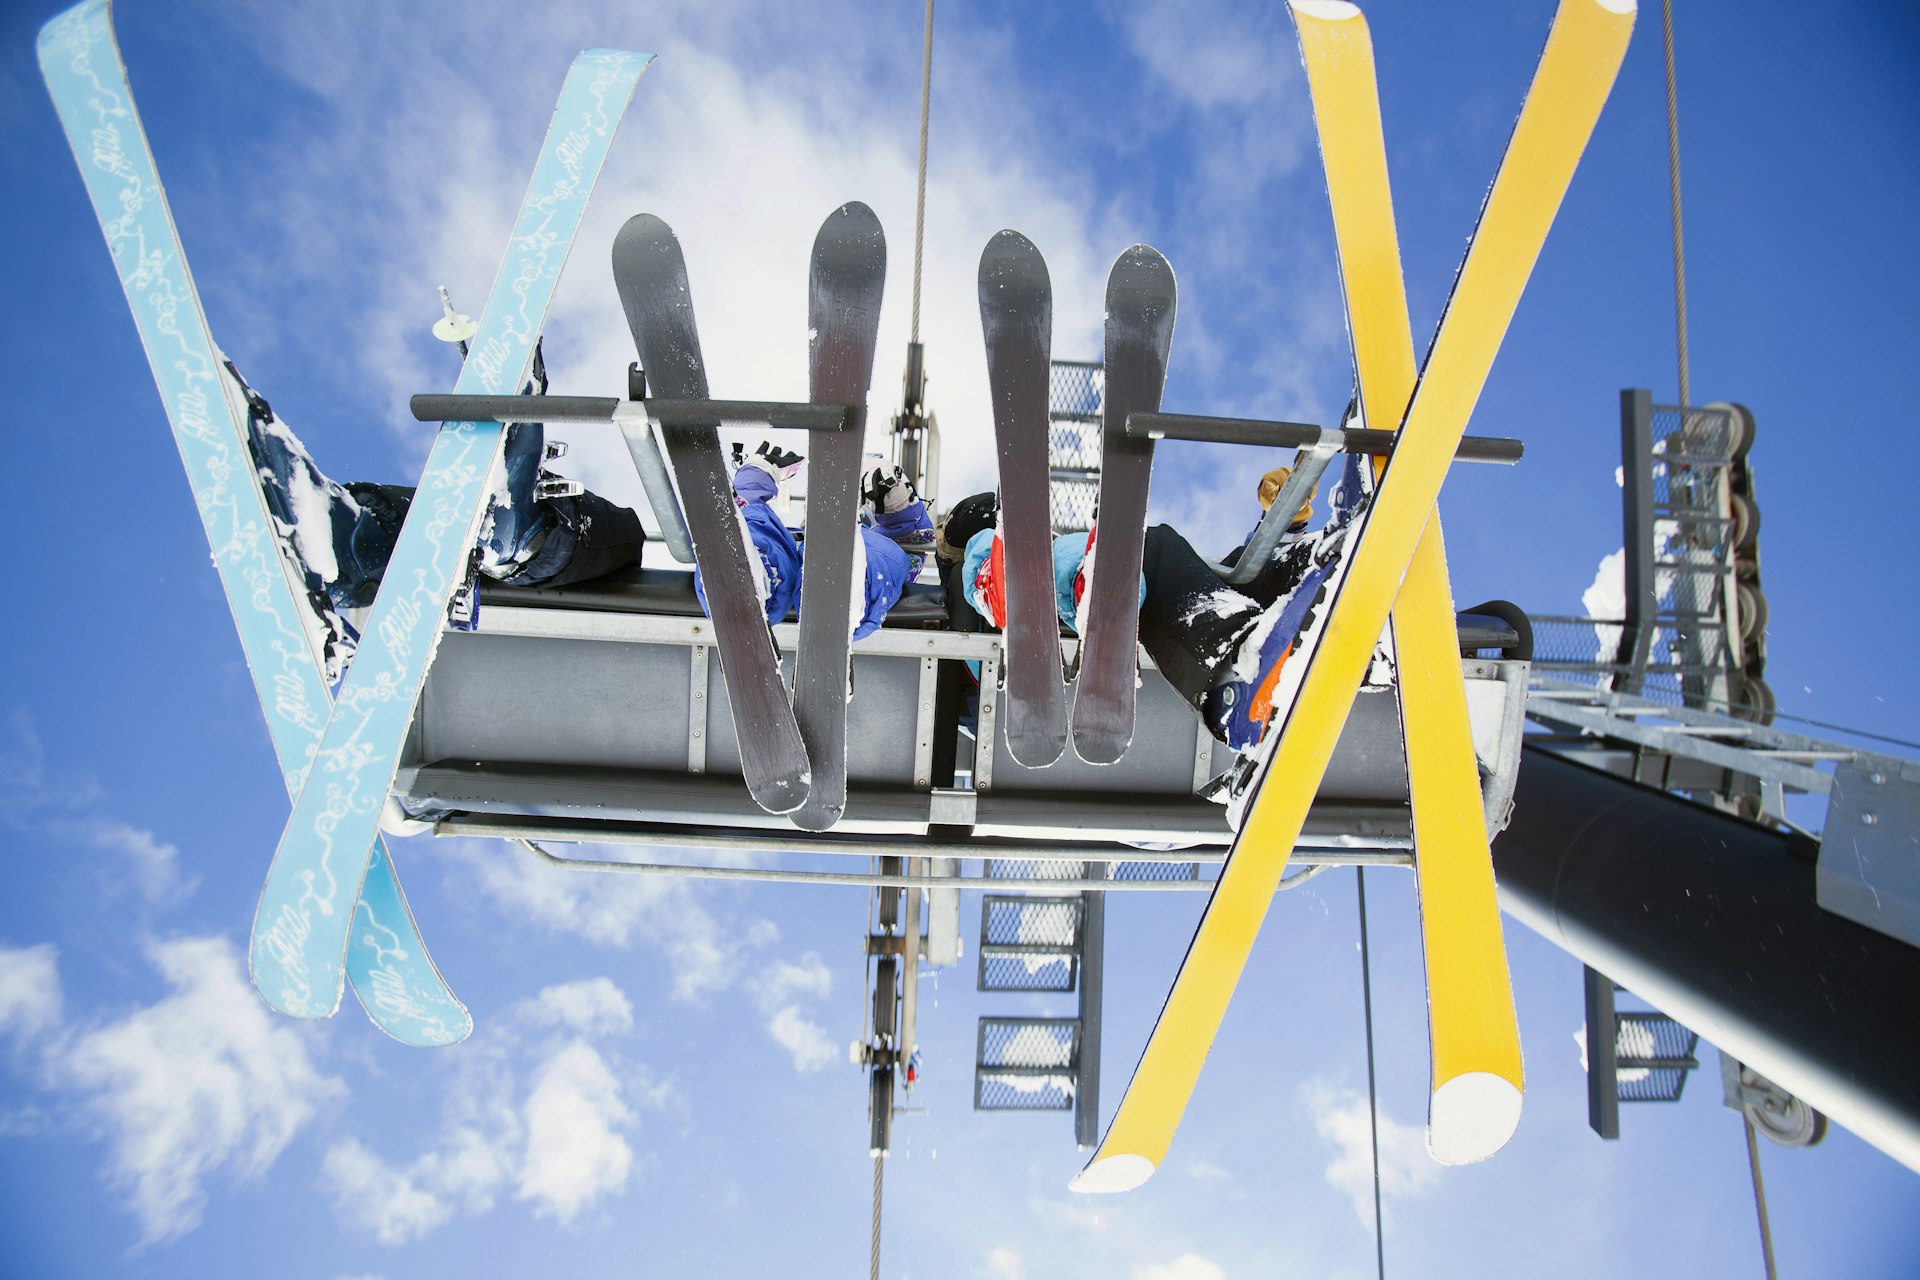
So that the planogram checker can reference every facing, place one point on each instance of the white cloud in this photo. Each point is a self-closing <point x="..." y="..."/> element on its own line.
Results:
<point x="593" y="1007"/>
<point x="1004" y="1264"/>
<point x="1405" y="1168"/>
<point x="805" y="1040"/>
<point x="1068" y="1215"/>
<point x="154" y="863"/>
<point x="1188" y="1266"/>
<point x="612" y="910"/>
<point x="782" y="979"/>
<point x="30" y="998"/>
<point x="379" y="1199"/>
<point x="575" y="1152"/>
<point x="205" y="1081"/>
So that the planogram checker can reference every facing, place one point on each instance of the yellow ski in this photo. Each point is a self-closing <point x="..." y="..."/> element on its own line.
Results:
<point x="1474" y="1106"/>
<point x="1577" y="69"/>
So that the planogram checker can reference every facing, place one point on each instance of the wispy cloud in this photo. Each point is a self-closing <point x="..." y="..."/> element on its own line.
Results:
<point x="202" y="1083"/>
<point x="709" y="954"/>
<point x="550" y="1120"/>
<point x="1341" y="1118"/>
<point x="1188" y="1266"/>
<point x="66" y="808"/>
<point x="30" y="997"/>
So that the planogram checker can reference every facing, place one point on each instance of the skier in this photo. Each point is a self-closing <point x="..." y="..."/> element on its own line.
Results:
<point x="541" y="531"/>
<point x="895" y="535"/>
<point x="1222" y="648"/>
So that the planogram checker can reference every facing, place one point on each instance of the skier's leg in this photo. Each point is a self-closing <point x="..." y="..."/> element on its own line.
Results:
<point x="516" y="522"/>
<point x="1191" y="623"/>
<point x="585" y="536"/>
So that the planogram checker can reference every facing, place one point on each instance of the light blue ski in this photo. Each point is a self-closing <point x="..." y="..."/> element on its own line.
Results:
<point x="391" y="971"/>
<point x="300" y="933"/>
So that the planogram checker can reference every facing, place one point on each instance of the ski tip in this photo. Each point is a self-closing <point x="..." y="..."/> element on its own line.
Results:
<point x="1036" y="750"/>
<point x="1100" y="747"/>
<point x="857" y="217"/>
<point x="1140" y="267"/>
<point x="1007" y="250"/>
<point x="1110" y="1175"/>
<point x="1619" y="6"/>
<point x="643" y="231"/>
<point x="817" y="816"/>
<point x="780" y="795"/>
<point x="1326" y="10"/>
<point x="1472" y="1116"/>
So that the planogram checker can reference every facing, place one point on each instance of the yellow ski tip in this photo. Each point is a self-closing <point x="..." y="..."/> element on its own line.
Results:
<point x="1112" y="1174"/>
<point x="1471" y="1116"/>
<point x="1325" y="10"/>
<point x="1619" y="6"/>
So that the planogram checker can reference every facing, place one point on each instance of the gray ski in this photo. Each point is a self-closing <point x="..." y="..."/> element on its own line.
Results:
<point x="843" y="317"/>
<point x="651" y="276"/>
<point x="1140" y="306"/>
<point x="1016" y="314"/>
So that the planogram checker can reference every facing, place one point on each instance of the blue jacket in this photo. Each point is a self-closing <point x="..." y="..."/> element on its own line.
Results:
<point x="888" y="571"/>
<point x="1069" y="550"/>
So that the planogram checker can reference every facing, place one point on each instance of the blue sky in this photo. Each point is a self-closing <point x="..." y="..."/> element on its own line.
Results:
<point x="655" y="1086"/>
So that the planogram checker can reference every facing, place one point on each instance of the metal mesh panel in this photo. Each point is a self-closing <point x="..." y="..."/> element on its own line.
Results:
<point x="1075" y="393"/>
<point x="1034" y="869"/>
<point x="1030" y="943"/>
<point x="1156" y="871"/>
<point x="1653" y="1054"/>
<point x="1047" y="922"/>
<point x="1027" y="1064"/>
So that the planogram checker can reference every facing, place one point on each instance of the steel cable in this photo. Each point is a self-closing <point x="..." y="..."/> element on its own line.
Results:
<point x="920" y="197"/>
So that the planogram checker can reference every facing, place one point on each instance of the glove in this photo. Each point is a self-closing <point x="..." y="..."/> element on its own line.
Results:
<point x="886" y="489"/>
<point x="779" y="463"/>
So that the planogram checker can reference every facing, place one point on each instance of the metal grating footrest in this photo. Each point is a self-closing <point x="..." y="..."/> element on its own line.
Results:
<point x="1030" y="943"/>
<point x="1652" y="1055"/>
<point x="1027" y="1064"/>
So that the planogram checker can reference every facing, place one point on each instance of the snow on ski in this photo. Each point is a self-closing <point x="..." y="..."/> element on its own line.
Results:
<point x="1576" y="72"/>
<point x="843" y="316"/>
<point x="1474" y="1037"/>
<point x="301" y="929"/>
<point x="387" y="962"/>
<point x="1141" y="298"/>
<point x="1016" y="315"/>
<point x="651" y="276"/>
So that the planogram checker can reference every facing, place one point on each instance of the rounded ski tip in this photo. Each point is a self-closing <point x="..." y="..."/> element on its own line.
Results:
<point x="1140" y="266"/>
<point x="1112" y="1175"/>
<point x="822" y="817"/>
<point x="781" y="795"/>
<point x="1472" y="1116"/>
<point x="1326" y="10"/>
<point x="1619" y="6"/>
<point x="643" y="230"/>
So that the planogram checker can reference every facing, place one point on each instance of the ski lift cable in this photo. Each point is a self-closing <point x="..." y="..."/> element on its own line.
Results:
<point x="920" y="198"/>
<point x="1673" y="187"/>
<point x="1373" y="1105"/>
<point x="873" y="1266"/>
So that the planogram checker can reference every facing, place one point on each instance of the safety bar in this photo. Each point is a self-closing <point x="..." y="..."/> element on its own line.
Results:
<point x="1302" y="435"/>
<point x="580" y="411"/>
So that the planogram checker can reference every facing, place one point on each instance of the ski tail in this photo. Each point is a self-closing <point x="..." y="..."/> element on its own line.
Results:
<point x="650" y="273"/>
<point x="1141" y="300"/>
<point x="1576" y="72"/>
<point x="306" y="908"/>
<point x="1474" y="1037"/>
<point x="1016" y="318"/>
<point x="845" y="282"/>
<point x="393" y="976"/>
